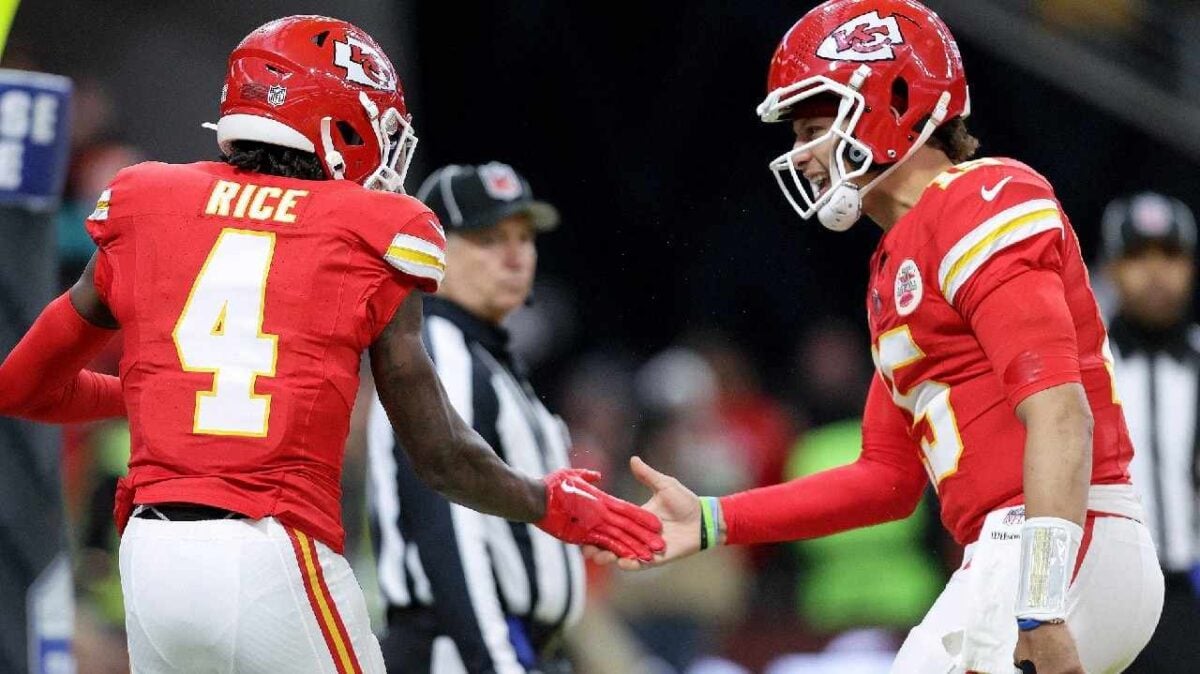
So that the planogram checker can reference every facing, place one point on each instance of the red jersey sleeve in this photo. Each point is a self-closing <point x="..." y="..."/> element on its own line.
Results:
<point x="407" y="238"/>
<point x="1026" y="329"/>
<point x="43" y="378"/>
<point x="884" y="484"/>
<point x="115" y="204"/>
<point x="1001" y="263"/>
<point x="104" y="226"/>
<point x="997" y="222"/>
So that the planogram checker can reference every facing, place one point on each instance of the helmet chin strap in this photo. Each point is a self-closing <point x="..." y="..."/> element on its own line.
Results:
<point x="333" y="159"/>
<point x="844" y="206"/>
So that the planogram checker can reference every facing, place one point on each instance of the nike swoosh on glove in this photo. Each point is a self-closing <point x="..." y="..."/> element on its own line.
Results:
<point x="578" y="512"/>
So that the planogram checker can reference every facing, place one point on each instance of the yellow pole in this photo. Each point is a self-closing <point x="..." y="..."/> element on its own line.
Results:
<point x="8" y="9"/>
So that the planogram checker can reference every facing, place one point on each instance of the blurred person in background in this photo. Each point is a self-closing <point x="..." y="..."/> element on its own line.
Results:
<point x="761" y="431"/>
<point x="757" y="424"/>
<point x="684" y="616"/>
<point x="831" y="373"/>
<point x="248" y="289"/>
<point x="599" y="405"/>
<point x="468" y="592"/>
<point x="993" y="379"/>
<point x="597" y="401"/>
<point x="1149" y="251"/>
<point x="880" y="576"/>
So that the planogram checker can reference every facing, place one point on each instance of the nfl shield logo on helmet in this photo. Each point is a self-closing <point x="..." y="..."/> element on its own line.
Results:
<point x="501" y="181"/>
<point x="276" y="95"/>
<point x="864" y="38"/>
<point x="909" y="288"/>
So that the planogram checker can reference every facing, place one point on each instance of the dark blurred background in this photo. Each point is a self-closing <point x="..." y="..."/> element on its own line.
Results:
<point x="679" y="267"/>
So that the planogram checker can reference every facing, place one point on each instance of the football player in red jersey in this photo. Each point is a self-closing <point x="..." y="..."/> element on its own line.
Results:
<point x="994" y="377"/>
<point x="246" y="291"/>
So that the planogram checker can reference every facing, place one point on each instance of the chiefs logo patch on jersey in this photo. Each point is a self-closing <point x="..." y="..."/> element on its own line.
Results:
<point x="867" y="37"/>
<point x="909" y="288"/>
<point x="363" y="64"/>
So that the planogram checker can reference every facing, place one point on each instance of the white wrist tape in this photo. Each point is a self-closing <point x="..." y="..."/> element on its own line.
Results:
<point x="1049" y="546"/>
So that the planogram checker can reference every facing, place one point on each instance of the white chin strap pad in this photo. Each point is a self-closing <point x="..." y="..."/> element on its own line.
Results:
<point x="843" y="208"/>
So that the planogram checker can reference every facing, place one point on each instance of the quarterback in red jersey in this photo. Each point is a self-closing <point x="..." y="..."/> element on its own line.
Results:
<point x="993" y="375"/>
<point x="246" y="291"/>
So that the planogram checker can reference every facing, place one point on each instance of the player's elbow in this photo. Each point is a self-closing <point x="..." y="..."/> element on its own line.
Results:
<point x="905" y="499"/>
<point x="895" y="491"/>
<point x="907" y="505"/>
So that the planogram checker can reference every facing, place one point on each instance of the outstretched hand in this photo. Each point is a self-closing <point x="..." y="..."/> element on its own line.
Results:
<point x="678" y="509"/>
<point x="578" y="512"/>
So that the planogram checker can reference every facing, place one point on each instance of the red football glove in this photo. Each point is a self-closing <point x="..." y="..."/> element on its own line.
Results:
<point x="579" y="513"/>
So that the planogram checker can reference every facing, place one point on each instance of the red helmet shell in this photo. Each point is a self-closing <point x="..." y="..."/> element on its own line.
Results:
<point x="912" y="57"/>
<point x="297" y="71"/>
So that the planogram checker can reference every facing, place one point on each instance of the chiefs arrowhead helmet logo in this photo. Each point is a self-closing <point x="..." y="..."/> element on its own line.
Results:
<point x="363" y="64"/>
<point x="866" y="37"/>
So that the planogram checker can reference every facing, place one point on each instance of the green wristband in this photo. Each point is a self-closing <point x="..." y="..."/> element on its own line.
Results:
<point x="710" y="522"/>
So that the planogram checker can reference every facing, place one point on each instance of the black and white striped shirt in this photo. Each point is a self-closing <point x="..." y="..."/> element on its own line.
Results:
<point x="476" y="571"/>
<point x="1157" y="376"/>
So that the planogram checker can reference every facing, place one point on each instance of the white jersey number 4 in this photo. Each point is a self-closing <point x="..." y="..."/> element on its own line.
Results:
<point x="220" y="331"/>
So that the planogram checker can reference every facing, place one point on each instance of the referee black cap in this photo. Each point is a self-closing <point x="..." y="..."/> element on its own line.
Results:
<point x="475" y="197"/>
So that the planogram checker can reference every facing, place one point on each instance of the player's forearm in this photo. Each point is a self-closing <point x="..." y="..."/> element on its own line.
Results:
<point x="1058" y="452"/>
<point x="446" y="453"/>
<point x="469" y="472"/>
<point x="88" y="397"/>
<point x="43" y="378"/>
<point x="858" y="495"/>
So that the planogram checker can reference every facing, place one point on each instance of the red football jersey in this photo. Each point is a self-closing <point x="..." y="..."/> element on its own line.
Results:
<point x="245" y="302"/>
<point x="939" y="344"/>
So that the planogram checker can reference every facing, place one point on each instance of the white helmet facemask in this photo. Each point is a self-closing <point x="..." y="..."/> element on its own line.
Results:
<point x="839" y="206"/>
<point x="397" y="144"/>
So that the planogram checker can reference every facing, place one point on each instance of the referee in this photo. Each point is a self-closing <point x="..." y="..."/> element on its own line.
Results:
<point x="467" y="592"/>
<point x="1150" y="244"/>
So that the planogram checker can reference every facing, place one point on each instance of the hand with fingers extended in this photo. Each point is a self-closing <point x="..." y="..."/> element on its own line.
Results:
<point x="678" y="509"/>
<point x="578" y="512"/>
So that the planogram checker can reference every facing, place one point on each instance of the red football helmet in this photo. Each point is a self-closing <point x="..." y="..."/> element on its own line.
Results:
<point x="323" y="86"/>
<point x="894" y="75"/>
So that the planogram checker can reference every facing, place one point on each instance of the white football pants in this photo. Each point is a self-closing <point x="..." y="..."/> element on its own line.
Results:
<point x="244" y="596"/>
<point x="1113" y="604"/>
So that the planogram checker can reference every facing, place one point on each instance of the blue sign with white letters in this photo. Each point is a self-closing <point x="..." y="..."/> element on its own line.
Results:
<point x="34" y="138"/>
